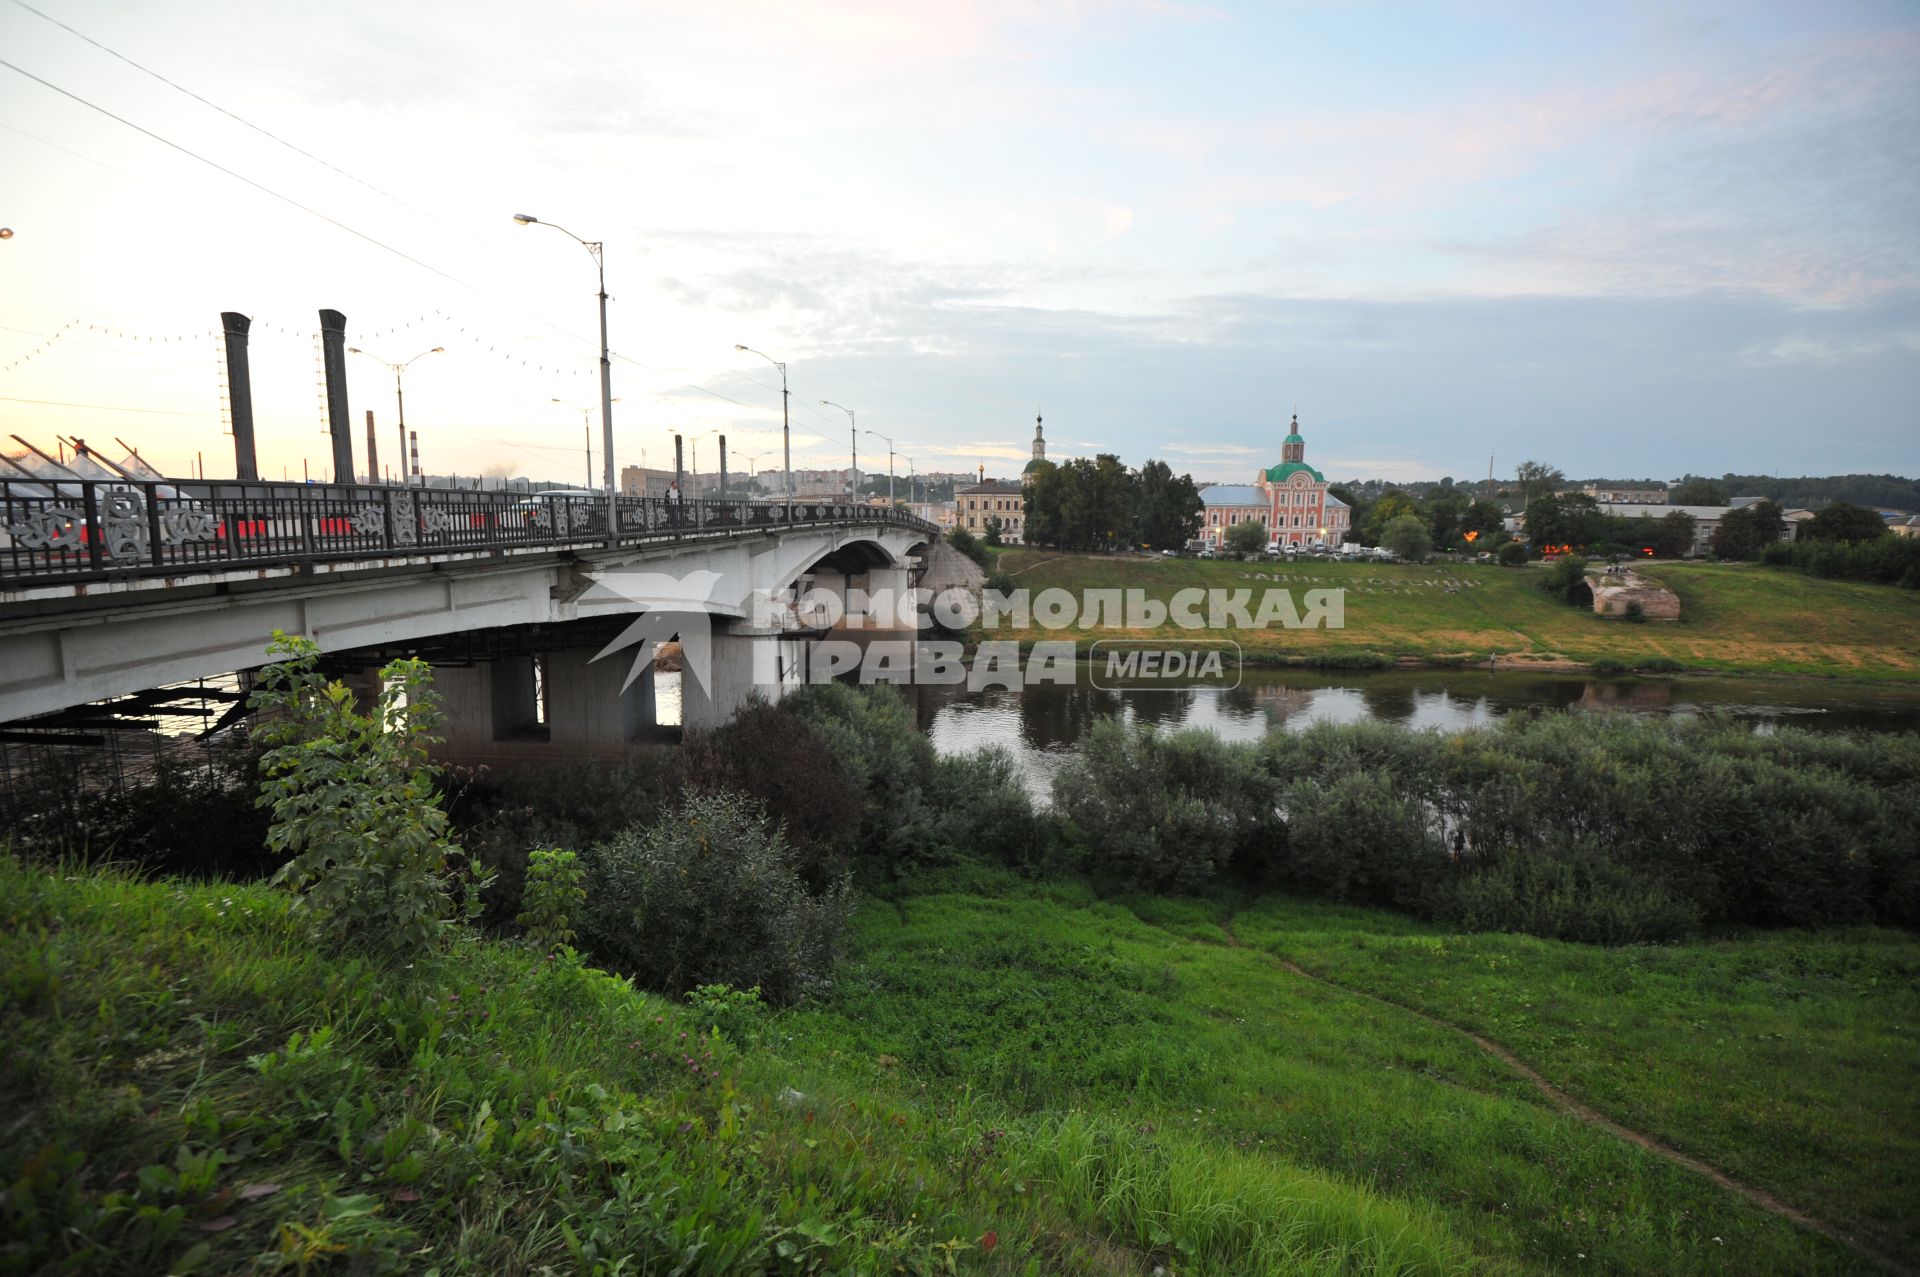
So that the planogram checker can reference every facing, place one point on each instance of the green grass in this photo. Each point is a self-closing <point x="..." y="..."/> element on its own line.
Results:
<point x="1787" y="1059"/>
<point x="1043" y="998"/>
<point x="187" y="1088"/>
<point x="1104" y="1086"/>
<point x="1735" y="618"/>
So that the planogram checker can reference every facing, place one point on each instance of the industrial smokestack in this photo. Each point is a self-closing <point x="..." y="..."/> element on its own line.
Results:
<point x="679" y="470"/>
<point x="723" y="467"/>
<point x="333" y="348"/>
<point x="373" y="452"/>
<point x="414" y="443"/>
<point x="240" y="395"/>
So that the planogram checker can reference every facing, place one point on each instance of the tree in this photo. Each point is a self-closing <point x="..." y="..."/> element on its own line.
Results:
<point x="1746" y="532"/>
<point x="1844" y="521"/>
<point x="1407" y="537"/>
<point x="1673" y="536"/>
<point x="991" y="531"/>
<point x="1697" y="491"/>
<point x="1444" y="511"/>
<point x="1483" y="517"/>
<point x="354" y="805"/>
<point x="1391" y="505"/>
<point x="1568" y="518"/>
<point x="1045" y="499"/>
<point x="1168" y="508"/>
<point x="1537" y="479"/>
<point x="1247" y="537"/>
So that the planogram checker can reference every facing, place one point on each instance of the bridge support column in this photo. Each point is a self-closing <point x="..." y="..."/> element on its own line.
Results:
<point x="744" y="663"/>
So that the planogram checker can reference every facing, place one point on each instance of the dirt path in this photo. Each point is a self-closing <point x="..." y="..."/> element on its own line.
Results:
<point x="1587" y="1113"/>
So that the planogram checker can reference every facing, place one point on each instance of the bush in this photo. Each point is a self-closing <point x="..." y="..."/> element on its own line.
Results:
<point x="553" y="895"/>
<point x="353" y="803"/>
<point x="969" y="545"/>
<point x="985" y="811"/>
<point x="1889" y="560"/>
<point x="1358" y="838"/>
<point x="871" y="736"/>
<point x="1566" y="580"/>
<point x="1581" y="897"/>
<point x="1168" y="811"/>
<point x="1511" y="555"/>
<point x="769" y="753"/>
<point x="501" y="815"/>
<point x="712" y="894"/>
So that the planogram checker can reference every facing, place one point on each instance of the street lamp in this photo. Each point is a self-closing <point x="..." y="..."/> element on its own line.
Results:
<point x="876" y="434"/>
<point x="750" y="483"/>
<point x="586" y="426"/>
<point x="597" y="250"/>
<point x="400" y="398"/>
<point x="911" y="498"/>
<point x="693" y="444"/>
<point x="853" y="432"/>
<point x="786" y="436"/>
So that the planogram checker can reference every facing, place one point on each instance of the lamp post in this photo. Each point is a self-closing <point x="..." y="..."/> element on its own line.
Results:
<point x="786" y="436"/>
<point x="876" y="434"/>
<point x="399" y="398"/>
<point x="586" y="427"/>
<point x="597" y="250"/>
<point x="853" y="433"/>
<point x="911" y="498"/>
<point x="750" y="460"/>
<point x="693" y="446"/>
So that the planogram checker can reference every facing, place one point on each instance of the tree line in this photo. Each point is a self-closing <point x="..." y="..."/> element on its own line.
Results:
<point x="1100" y="504"/>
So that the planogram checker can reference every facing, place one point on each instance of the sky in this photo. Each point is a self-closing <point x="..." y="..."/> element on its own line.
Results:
<point x="1629" y="240"/>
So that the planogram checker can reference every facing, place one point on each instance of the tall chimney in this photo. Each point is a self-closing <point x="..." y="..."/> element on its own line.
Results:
<point x="679" y="469"/>
<point x="415" y="443"/>
<point x="333" y="347"/>
<point x="373" y="452"/>
<point x="240" y="395"/>
<point x="723" y="467"/>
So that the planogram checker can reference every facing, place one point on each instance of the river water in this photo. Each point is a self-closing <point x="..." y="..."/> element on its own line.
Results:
<point x="1042" y="725"/>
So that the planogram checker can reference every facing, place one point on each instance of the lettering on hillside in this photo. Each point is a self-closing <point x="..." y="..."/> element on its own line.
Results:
<point x="1443" y="583"/>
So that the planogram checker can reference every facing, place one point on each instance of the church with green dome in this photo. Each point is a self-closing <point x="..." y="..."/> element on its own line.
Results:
<point x="1290" y="499"/>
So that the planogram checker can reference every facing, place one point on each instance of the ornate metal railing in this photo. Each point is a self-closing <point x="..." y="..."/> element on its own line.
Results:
<point x="56" y="531"/>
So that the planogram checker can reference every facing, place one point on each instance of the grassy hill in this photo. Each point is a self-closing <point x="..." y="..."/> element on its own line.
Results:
<point x="1007" y="1078"/>
<point x="1735" y="618"/>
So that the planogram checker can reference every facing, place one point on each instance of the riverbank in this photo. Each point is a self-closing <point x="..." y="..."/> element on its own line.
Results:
<point x="1735" y="618"/>
<point x="1009" y="1077"/>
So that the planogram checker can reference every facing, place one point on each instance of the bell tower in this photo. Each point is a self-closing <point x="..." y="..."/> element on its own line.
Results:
<point x="1294" y="448"/>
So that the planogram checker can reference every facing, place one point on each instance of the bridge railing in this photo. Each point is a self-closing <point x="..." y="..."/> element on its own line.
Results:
<point x="59" y="531"/>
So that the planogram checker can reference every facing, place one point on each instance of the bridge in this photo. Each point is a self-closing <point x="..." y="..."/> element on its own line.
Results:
<point x="110" y="588"/>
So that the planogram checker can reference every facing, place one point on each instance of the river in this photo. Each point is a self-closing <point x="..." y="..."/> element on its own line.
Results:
<point x="1042" y="725"/>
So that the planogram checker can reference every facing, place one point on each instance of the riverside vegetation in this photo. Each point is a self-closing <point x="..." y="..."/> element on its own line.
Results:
<point x="843" y="1006"/>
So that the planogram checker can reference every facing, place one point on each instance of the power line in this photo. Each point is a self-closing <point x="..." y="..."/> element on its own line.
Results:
<point x="238" y="119"/>
<point x="103" y="407"/>
<point x="238" y="177"/>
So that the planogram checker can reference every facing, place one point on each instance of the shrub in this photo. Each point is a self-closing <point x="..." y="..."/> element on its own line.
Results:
<point x="1609" y="667"/>
<point x="501" y="815"/>
<point x="1168" y="811"/>
<point x="1359" y="838"/>
<point x="554" y="892"/>
<point x="969" y="545"/>
<point x="769" y="753"/>
<point x="875" y="744"/>
<point x="354" y="805"/>
<point x="1566" y="580"/>
<point x="1511" y="555"/>
<point x="1889" y="560"/>
<point x="1002" y="583"/>
<point x="712" y="894"/>
<point x="1635" y="613"/>
<point x="986" y="811"/>
<point x="736" y="1013"/>
<point x="1582" y="897"/>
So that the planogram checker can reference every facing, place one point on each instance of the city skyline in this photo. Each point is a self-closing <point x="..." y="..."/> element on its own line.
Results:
<point x="1599" y="240"/>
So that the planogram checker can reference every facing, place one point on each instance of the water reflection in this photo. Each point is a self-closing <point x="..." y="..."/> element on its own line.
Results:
<point x="1041" y="725"/>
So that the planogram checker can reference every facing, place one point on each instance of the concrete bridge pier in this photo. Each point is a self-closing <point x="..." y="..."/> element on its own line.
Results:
<point x="552" y="706"/>
<point x="744" y="661"/>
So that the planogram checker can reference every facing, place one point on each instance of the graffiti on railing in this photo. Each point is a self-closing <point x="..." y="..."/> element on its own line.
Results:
<point x="71" y="531"/>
